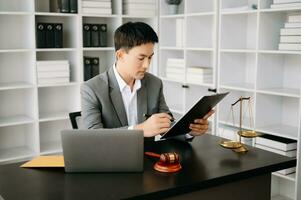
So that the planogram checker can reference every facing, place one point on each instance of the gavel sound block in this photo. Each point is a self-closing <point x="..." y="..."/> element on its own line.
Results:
<point x="169" y="162"/>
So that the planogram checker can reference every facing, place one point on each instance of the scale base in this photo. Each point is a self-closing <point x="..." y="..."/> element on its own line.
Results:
<point x="167" y="168"/>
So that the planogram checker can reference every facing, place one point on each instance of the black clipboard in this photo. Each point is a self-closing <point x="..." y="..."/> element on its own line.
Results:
<point x="199" y="110"/>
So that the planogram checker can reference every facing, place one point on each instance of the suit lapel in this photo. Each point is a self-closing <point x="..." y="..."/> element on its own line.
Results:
<point x="116" y="98"/>
<point x="142" y="102"/>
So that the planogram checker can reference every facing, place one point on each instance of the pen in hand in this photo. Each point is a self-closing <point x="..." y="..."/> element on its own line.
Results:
<point x="148" y="116"/>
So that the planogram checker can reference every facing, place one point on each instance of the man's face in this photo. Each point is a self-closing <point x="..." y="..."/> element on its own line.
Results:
<point x="136" y="61"/>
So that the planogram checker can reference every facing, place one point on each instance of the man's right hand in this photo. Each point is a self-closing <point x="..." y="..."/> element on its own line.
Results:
<point x="155" y="125"/>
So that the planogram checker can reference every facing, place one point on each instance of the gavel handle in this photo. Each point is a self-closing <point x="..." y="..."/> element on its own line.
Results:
<point x="152" y="154"/>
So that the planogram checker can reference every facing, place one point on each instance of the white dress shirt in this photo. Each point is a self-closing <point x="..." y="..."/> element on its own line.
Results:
<point x="129" y="98"/>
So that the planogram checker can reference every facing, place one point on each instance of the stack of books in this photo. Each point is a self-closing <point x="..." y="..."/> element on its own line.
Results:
<point x="285" y="4"/>
<point x="99" y="7"/>
<point x="199" y="74"/>
<point x="175" y="69"/>
<point x="139" y="7"/>
<point x="53" y="71"/>
<point x="279" y="145"/>
<point x="290" y="35"/>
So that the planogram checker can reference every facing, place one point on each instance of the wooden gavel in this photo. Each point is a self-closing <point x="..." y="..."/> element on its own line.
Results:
<point x="167" y="158"/>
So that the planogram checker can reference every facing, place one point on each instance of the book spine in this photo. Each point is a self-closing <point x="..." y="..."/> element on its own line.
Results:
<point x="41" y="35"/>
<point x="87" y="68"/>
<point x="103" y="35"/>
<point x="58" y="35"/>
<point x="49" y="36"/>
<point x="65" y="7"/>
<point x="73" y="6"/>
<point x="290" y="39"/>
<point x="94" y="35"/>
<point x="290" y="31"/>
<point x="87" y="35"/>
<point x="95" y="66"/>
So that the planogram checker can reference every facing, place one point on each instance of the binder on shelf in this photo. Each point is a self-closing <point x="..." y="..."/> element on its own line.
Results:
<point x="41" y="35"/>
<point x="64" y="6"/>
<point x="102" y="35"/>
<point x="73" y="6"/>
<point x="95" y="67"/>
<point x="87" y="68"/>
<point x="49" y="35"/>
<point x="95" y="36"/>
<point x="58" y="36"/>
<point x="87" y="35"/>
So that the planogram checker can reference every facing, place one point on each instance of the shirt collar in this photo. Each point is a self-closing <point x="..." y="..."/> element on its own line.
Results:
<point x="122" y="84"/>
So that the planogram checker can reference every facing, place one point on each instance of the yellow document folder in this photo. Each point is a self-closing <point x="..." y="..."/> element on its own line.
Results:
<point x="45" y="161"/>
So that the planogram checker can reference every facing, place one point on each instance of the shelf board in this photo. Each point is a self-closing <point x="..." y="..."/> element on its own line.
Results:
<point x="99" y="15"/>
<point x="15" y="13"/>
<point x="15" y="153"/>
<point x="280" y="130"/>
<point x="58" y="84"/>
<point x="171" y="48"/>
<point x="45" y="117"/>
<point x="236" y="125"/>
<point x="198" y="49"/>
<point x="290" y="177"/>
<point x="200" y="14"/>
<point x="98" y="48"/>
<point x="238" y="50"/>
<point x="288" y="92"/>
<point x="52" y="147"/>
<point x="55" y="49"/>
<point x="15" y="85"/>
<point x="15" y="120"/>
<point x="278" y="52"/>
<point x="138" y="16"/>
<point x="15" y="50"/>
<point x="201" y="84"/>
<point x="247" y="87"/>
<point x="172" y="16"/>
<point x="280" y="197"/>
<point x="56" y="14"/>
<point x="267" y="10"/>
<point x="238" y="12"/>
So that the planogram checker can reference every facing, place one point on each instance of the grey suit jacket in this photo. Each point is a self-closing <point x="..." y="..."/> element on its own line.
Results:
<point x="102" y="104"/>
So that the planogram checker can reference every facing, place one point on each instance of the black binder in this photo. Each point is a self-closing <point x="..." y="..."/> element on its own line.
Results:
<point x="95" y="36"/>
<point x="73" y="6"/>
<point x="65" y="6"/>
<point x="87" y="68"/>
<point x="41" y="34"/>
<point x="58" y="35"/>
<point x="103" y="35"/>
<point x="87" y="35"/>
<point x="49" y="35"/>
<point x="95" y="66"/>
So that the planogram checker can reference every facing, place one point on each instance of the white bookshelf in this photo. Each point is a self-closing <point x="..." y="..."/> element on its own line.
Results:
<point x="240" y="42"/>
<point x="31" y="114"/>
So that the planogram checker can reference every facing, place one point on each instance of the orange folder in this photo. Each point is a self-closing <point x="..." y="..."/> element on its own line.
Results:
<point x="45" y="161"/>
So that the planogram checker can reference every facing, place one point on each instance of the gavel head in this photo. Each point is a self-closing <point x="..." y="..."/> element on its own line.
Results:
<point x="169" y="158"/>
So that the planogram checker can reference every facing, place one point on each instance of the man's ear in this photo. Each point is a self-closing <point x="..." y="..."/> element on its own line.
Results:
<point x="120" y="54"/>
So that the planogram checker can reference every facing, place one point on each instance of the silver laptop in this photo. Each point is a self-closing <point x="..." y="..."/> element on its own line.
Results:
<point x="103" y="150"/>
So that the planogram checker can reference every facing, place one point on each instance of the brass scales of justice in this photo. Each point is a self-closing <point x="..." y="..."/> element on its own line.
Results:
<point x="237" y="146"/>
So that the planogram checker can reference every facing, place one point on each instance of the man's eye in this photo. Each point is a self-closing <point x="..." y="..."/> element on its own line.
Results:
<point x="141" y="59"/>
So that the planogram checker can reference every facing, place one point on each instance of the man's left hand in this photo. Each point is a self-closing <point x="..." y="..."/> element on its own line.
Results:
<point x="200" y="126"/>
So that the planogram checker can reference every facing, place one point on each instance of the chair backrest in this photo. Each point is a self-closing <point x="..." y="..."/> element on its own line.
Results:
<point x="75" y="118"/>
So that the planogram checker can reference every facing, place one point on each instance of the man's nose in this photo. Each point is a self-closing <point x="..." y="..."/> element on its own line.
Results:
<point x="146" y="64"/>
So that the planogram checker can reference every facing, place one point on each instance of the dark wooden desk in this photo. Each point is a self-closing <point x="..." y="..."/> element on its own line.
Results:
<point x="208" y="172"/>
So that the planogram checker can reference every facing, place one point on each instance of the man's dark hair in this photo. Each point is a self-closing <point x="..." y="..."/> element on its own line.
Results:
<point x="133" y="34"/>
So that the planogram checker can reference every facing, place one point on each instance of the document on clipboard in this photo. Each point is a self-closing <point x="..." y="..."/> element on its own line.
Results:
<point x="198" y="111"/>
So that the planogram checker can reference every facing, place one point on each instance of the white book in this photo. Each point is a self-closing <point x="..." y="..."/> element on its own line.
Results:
<point x="175" y="70"/>
<point x="235" y="9"/>
<point x="285" y="5"/>
<point x="276" y="142"/>
<point x="290" y="31"/>
<point x="179" y="32"/>
<point x="175" y="77"/>
<point x="53" y="74"/>
<point x="291" y="154"/>
<point x="138" y="6"/>
<point x="176" y="60"/>
<point x="290" y="39"/>
<point x="140" y="12"/>
<point x="104" y="11"/>
<point x="287" y="171"/>
<point x="140" y="1"/>
<point x="285" y="1"/>
<point x="96" y="4"/>
<point x="290" y="47"/>
<point x="294" y="18"/>
<point x="46" y="68"/>
<point x="52" y="62"/>
<point x="292" y="25"/>
<point x="53" y="80"/>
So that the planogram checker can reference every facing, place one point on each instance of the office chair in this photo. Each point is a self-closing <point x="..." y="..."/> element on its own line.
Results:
<point x="75" y="118"/>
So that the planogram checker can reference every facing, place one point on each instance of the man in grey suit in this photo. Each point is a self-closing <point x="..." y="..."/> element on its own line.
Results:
<point x="126" y="93"/>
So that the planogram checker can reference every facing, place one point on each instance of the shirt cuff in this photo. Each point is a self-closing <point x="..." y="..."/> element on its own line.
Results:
<point x="188" y="136"/>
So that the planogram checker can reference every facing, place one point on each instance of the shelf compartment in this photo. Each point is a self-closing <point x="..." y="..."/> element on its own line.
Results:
<point x="170" y="89"/>
<point x="238" y="31"/>
<point x="243" y="64"/>
<point x="279" y="74"/>
<point x="70" y="29"/>
<point x="17" y="106"/>
<point x="277" y="115"/>
<point x="71" y="56"/>
<point x="238" y="6"/>
<point x="58" y="100"/>
<point x="224" y="108"/>
<point x="112" y="25"/>
<point x="282" y="189"/>
<point x="164" y="56"/>
<point x="50" y="135"/>
<point x="165" y="9"/>
<point x="168" y="26"/>
<point x="16" y="5"/>
<point x="291" y="177"/>
<point x="196" y="6"/>
<point x="200" y="31"/>
<point x="18" y="142"/>
<point x="15" y="33"/>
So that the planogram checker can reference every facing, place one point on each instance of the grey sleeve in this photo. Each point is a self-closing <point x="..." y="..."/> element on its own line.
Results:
<point x="162" y="104"/>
